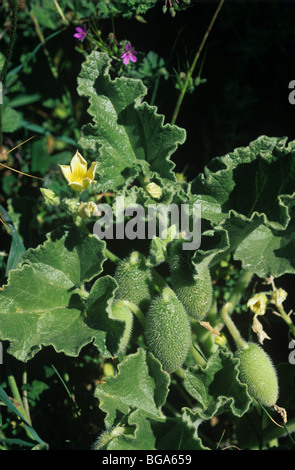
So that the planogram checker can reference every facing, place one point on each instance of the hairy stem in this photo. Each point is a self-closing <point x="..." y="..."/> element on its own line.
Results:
<point x="137" y="312"/>
<point x="232" y="327"/>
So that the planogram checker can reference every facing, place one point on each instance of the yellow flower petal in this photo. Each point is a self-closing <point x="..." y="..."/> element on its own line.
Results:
<point x="66" y="172"/>
<point x="78" y="167"/>
<point x="91" y="172"/>
<point x="258" y="303"/>
<point x="76" y="186"/>
<point x="77" y="175"/>
<point x="86" y="182"/>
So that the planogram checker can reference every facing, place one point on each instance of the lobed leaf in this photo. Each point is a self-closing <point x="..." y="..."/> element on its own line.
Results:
<point x="130" y="137"/>
<point x="217" y="388"/>
<point x="249" y="193"/>
<point x="43" y="304"/>
<point x="140" y="383"/>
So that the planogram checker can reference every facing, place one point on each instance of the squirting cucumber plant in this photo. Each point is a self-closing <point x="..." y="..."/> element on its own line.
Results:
<point x="144" y="312"/>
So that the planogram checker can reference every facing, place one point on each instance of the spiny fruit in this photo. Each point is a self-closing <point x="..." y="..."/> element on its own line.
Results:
<point x="167" y="331"/>
<point x="258" y="373"/>
<point x="194" y="291"/>
<point x="134" y="279"/>
<point x="120" y="311"/>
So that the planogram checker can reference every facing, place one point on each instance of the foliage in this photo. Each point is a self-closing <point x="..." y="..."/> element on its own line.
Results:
<point x="64" y="315"/>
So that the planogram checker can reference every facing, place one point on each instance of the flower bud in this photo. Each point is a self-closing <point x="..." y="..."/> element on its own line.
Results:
<point x="279" y="296"/>
<point x="154" y="190"/>
<point x="221" y="340"/>
<point x="51" y="199"/>
<point x="86" y="209"/>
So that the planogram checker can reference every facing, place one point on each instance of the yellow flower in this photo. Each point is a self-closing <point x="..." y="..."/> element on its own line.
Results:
<point x="258" y="303"/>
<point x="279" y="296"/>
<point x="77" y="175"/>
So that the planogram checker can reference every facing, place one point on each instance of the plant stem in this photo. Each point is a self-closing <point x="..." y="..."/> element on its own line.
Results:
<point x="229" y="307"/>
<point x="112" y="257"/>
<point x="43" y="42"/>
<point x="239" y="289"/>
<point x="25" y="396"/>
<point x="11" y="39"/>
<point x="65" y="20"/>
<point x="16" y="395"/>
<point x="137" y="312"/>
<point x="155" y="90"/>
<point x="197" y="356"/>
<point x="161" y="283"/>
<point x="232" y="327"/>
<point x="286" y="319"/>
<point x="8" y="56"/>
<point x="191" y="70"/>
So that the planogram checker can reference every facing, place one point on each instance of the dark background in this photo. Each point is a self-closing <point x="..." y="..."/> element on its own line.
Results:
<point x="249" y="62"/>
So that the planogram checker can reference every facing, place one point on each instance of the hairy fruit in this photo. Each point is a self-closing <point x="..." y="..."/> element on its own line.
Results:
<point x="258" y="373"/>
<point x="167" y="332"/>
<point x="134" y="280"/>
<point x="194" y="291"/>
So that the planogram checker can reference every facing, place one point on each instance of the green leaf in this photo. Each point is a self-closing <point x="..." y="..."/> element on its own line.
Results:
<point x="179" y="433"/>
<point x="140" y="435"/>
<point x="76" y="255"/>
<point x="47" y="15"/>
<point x="130" y="137"/>
<point x="249" y="193"/>
<point x="10" y="119"/>
<point x="140" y="383"/>
<point x="217" y="388"/>
<point x="6" y="400"/>
<point x="40" y="158"/>
<point x="17" y="248"/>
<point x="42" y="305"/>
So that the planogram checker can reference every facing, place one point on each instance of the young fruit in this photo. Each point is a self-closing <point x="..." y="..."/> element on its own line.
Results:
<point x="194" y="291"/>
<point x="134" y="279"/>
<point x="120" y="311"/>
<point x="258" y="373"/>
<point x="167" y="331"/>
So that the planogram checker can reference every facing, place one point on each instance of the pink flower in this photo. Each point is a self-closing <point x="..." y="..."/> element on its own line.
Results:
<point x="130" y="54"/>
<point x="81" y="33"/>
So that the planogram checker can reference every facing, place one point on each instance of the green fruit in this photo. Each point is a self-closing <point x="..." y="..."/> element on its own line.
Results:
<point x="194" y="291"/>
<point x="120" y="311"/>
<point x="134" y="279"/>
<point x="167" y="332"/>
<point x="258" y="373"/>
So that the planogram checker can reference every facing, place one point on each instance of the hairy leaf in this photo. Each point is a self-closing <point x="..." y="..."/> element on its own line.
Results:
<point x="249" y="193"/>
<point x="217" y="388"/>
<point x="140" y="383"/>
<point x="130" y="137"/>
<point x="43" y="304"/>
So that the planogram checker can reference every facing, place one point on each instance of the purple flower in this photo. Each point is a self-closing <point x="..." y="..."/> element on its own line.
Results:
<point x="81" y="32"/>
<point x="130" y="54"/>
